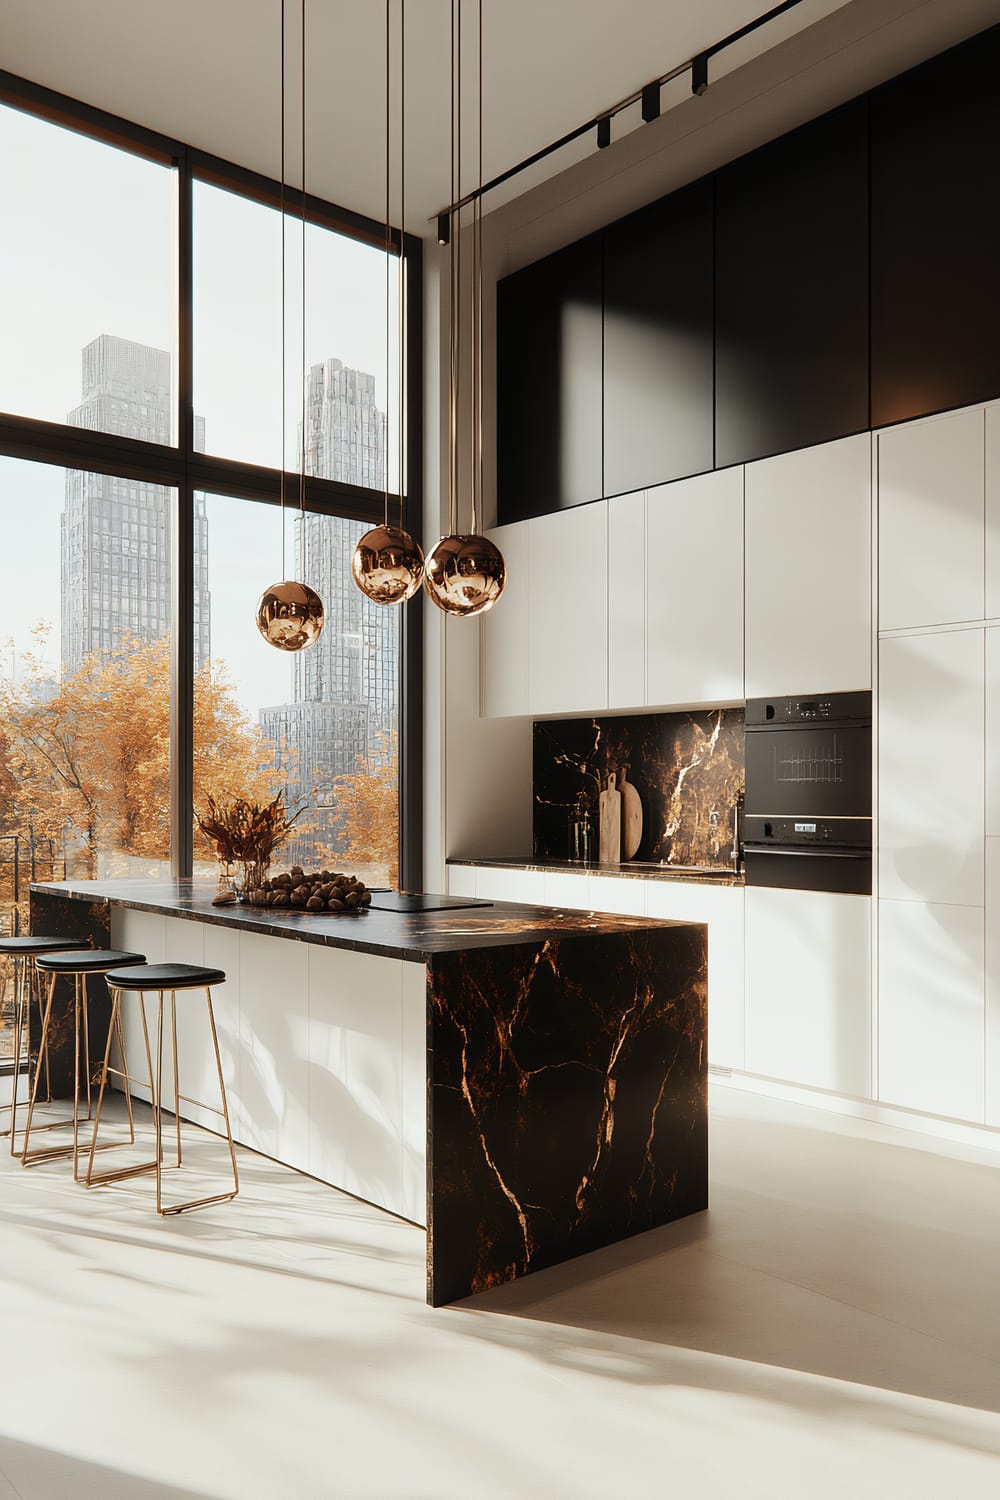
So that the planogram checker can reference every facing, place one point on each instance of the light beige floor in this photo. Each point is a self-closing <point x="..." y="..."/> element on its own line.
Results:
<point x="830" y="1329"/>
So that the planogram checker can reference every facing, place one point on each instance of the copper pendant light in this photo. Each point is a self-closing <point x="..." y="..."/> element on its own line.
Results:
<point x="465" y="572"/>
<point x="291" y="615"/>
<point x="387" y="564"/>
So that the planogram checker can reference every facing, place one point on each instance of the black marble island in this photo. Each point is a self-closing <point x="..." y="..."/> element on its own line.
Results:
<point x="564" y="1071"/>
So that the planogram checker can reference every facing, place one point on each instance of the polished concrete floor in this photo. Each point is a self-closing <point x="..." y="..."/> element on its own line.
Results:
<point x="831" y="1328"/>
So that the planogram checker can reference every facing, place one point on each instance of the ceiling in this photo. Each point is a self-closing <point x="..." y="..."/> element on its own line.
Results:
<point x="207" y="72"/>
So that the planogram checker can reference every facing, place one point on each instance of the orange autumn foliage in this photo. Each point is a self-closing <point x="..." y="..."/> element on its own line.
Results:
<point x="368" y="809"/>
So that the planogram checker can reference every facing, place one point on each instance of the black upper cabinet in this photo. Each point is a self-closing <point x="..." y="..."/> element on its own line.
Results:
<point x="658" y="342"/>
<point x="792" y="290"/>
<point x="549" y="440"/>
<point x="936" y="234"/>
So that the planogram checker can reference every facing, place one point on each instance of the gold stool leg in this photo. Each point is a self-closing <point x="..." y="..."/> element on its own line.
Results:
<point x="180" y="1208"/>
<point x="115" y="1029"/>
<point x="43" y="1154"/>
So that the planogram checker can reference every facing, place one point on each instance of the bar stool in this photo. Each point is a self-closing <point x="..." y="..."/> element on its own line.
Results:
<point x="165" y="979"/>
<point x="23" y="951"/>
<point x="77" y="965"/>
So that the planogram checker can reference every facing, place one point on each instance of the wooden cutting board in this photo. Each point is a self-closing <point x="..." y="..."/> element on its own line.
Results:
<point x="609" y="811"/>
<point x="631" y="818"/>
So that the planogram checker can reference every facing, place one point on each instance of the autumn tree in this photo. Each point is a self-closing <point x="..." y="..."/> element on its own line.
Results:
<point x="89" y="758"/>
<point x="368" y="808"/>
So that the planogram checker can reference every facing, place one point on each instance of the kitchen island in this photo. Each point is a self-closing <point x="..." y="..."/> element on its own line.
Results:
<point x="528" y="1083"/>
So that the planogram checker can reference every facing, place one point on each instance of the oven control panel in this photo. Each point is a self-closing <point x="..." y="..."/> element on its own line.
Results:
<point x="833" y="832"/>
<point x="775" y="713"/>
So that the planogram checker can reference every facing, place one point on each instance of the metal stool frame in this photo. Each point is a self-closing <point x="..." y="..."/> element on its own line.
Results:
<point x="26" y="985"/>
<point x="81" y="1006"/>
<point x="156" y="1090"/>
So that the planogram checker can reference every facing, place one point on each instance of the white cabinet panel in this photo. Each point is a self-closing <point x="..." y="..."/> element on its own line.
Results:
<point x="993" y="730"/>
<point x="414" y="1079"/>
<point x="495" y="884"/>
<point x="931" y="1008"/>
<point x="722" y="908"/>
<point x="138" y="932"/>
<point x="993" y="981"/>
<point x="993" y="511"/>
<point x="627" y="601"/>
<point x="568" y="611"/>
<point x="272" y="1110"/>
<point x="355" y="1073"/>
<point x="694" y="590"/>
<point x="930" y="753"/>
<point x="504" y="630"/>
<point x="461" y="880"/>
<point x="930" y="521"/>
<point x="623" y="896"/>
<point x="808" y="570"/>
<point x="809" y="988"/>
<point x="567" y="889"/>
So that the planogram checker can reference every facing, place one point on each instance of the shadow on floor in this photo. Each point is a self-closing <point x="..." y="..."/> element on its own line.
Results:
<point x="36" y="1473"/>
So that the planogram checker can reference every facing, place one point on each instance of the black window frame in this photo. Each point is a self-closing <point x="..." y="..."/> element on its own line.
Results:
<point x="187" y="471"/>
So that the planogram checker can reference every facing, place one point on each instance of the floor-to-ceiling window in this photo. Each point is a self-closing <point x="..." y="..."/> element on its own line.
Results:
<point x="144" y="425"/>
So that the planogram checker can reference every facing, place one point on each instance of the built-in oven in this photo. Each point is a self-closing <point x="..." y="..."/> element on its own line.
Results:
<point x="808" y="815"/>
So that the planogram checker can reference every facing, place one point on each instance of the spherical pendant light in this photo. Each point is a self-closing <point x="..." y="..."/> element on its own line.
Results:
<point x="290" y="616"/>
<point x="465" y="575"/>
<point x="387" y="565"/>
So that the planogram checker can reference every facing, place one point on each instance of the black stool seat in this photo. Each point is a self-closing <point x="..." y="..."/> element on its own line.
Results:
<point x="27" y="947"/>
<point x="87" y="961"/>
<point x="165" y="977"/>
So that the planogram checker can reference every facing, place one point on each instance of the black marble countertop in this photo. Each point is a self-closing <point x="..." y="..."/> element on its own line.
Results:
<point x="633" y="870"/>
<point x="417" y="936"/>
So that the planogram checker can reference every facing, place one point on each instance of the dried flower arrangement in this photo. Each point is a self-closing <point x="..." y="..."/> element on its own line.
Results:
<point x="247" y="834"/>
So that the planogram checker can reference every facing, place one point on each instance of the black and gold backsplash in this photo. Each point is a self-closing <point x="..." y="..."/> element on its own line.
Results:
<point x="685" y="772"/>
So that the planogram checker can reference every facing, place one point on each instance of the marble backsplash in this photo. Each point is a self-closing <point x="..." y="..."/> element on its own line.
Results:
<point x="687" y="768"/>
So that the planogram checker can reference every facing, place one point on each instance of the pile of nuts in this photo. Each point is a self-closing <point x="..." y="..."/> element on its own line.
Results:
<point x="324" y="891"/>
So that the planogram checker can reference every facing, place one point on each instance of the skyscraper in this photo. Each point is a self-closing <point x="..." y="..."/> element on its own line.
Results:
<point x="345" y="688"/>
<point x="115" y="532"/>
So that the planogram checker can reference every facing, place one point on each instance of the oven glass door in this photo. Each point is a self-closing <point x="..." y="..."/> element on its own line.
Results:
<point x="818" y="770"/>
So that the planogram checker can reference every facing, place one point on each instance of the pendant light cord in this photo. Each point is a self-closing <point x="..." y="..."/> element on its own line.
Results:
<point x="477" y="484"/>
<point x="455" y="254"/>
<point x="302" y="442"/>
<point x="281" y="226"/>
<point x="401" y="291"/>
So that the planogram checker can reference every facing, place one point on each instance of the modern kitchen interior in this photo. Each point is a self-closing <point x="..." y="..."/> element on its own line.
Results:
<point x="499" y="745"/>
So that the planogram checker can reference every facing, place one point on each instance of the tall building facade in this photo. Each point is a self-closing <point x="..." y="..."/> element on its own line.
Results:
<point x="345" y="688"/>
<point x="116" y="534"/>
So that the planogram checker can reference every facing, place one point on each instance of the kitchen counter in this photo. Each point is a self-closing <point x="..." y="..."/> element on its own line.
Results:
<point x="628" y="870"/>
<point x="529" y="1083"/>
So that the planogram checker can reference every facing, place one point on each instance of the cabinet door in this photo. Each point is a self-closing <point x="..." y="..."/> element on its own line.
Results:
<point x="992" y="927"/>
<point x="993" y="511"/>
<point x="568" y="611"/>
<point x="504" y="630"/>
<point x="658" y="307"/>
<point x="272" y="1114"/>
<point x="494" y="883"/>
<point x="355" y="1073"/>
<point x="930" y="522"/>
<point x="549" y="383"/>
<point x="930" y="1006"/>
<point x="993" y="730"/>
<point x="461" y="880"/>
<point x="809" y="988"/>
<point x="935" y="143"/>
<point x="623" y="895"/>
<point x="808" y="570"/>
<point x="930" y="767"/>
<point x="721" y="907"/>
<point x="792" y="290"/>
<point x="564" y="889"/>
<point x="694" y="590"/>
<point x="627" y="601"/>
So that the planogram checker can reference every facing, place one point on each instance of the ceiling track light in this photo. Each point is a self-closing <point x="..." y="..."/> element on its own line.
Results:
<point x="651" y="102"/>
<point x="699" y="74"/>
<point x="604" y="132"/>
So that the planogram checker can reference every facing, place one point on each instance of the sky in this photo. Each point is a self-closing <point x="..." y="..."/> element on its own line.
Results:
<point x="90" y="250"/>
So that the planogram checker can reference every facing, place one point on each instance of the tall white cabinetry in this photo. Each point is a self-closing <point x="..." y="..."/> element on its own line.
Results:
<point x="808" y="570"/>
<point x="504" y="634"/>
<point x="694" y="590"/>
<point x="568" y="611"/>
<point x="936" y="781"/>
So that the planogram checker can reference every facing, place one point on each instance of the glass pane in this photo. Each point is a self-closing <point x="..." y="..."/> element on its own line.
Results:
<point x="86" y="279"/>
<point x="238" y="337"/>
<point x="84" y="682"/>
<point x="319" y="726"/>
